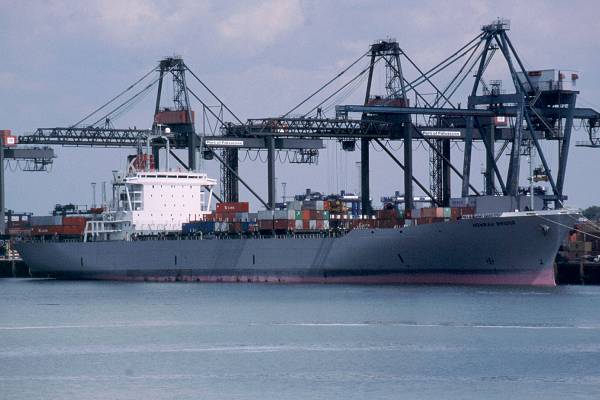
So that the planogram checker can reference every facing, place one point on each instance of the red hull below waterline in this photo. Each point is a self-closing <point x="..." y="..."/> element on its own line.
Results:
<point x="544" y="277"/>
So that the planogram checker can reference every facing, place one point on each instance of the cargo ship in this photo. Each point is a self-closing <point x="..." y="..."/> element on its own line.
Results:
<point x="160" y="227"/>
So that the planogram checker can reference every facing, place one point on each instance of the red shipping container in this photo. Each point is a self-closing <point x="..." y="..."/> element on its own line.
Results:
<point x="237" y="207"/>
<point x="265" y="224"/>
<point x="284" y="224"/>
<point x="306" y="214"/>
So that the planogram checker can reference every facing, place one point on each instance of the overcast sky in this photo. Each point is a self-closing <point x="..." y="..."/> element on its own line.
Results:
<point x="62" y="59"/>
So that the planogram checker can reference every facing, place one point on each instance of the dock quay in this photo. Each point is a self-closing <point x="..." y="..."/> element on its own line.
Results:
<point x="578" y="273"/>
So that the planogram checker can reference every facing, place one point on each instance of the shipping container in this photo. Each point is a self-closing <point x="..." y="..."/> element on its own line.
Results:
<point x="294" y="205"/>
<point x="222" y="227"/>
<point x="46" y="220"/>
<point x="265" y="224"/>
<point x="313" y="205"/>
<point x="265" y="215"/>
<point x="204" y="227"/>
<point x="387" y="214"/>
<point x="242" y="216"/>
<point x="235" y="227"/>
<point x="284" y="214"/>
<point x="235" y="207"/>
<point x="225" y="216"/>
<point x="284" y="224"/>
<point x="57" y="230"/>
<point x="19" y="231"/>
<point x="75" y="221"/>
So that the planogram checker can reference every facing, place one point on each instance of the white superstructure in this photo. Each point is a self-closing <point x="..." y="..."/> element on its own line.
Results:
<point x="152" y="202"/>
<point x="163" y="201"/>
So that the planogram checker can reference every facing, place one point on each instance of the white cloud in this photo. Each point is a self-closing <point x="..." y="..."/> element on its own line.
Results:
<point x="136" y="23"/>
<point x="263" y="24"/>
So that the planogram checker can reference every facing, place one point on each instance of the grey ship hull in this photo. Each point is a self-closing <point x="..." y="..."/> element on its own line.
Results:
<point x="501" y="250"/>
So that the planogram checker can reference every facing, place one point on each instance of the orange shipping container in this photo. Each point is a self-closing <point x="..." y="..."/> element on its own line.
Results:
<point x="74" y="221"/>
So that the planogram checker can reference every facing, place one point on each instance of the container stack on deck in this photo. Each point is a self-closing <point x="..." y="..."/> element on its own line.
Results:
<point x="47" y="226"/>
<point x="313" y="216"/>
<point x="431" y="215"/>
<point x="299" y="216"/>
<point x="228" y="218"/>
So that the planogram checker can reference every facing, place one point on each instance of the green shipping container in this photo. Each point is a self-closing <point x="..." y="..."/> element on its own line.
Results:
<point x="298" y="214"/>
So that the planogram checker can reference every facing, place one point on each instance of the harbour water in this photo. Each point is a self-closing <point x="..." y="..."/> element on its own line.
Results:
<point x="105" y="340"/>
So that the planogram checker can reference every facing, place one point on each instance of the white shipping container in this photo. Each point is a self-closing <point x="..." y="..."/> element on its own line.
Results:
<point x="312" y="224"/>
<point x="298" y="224"/>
